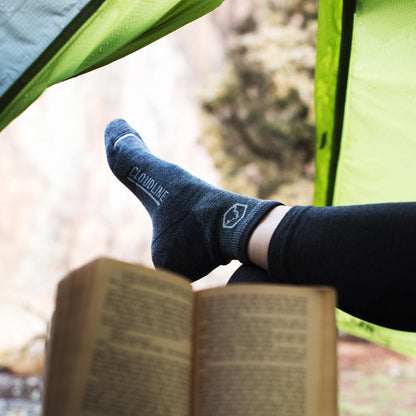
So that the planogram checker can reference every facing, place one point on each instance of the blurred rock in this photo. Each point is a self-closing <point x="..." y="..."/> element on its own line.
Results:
<point x="20" y="396"/>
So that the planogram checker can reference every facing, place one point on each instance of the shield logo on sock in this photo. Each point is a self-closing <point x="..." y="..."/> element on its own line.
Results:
<point x="234" y="215"/>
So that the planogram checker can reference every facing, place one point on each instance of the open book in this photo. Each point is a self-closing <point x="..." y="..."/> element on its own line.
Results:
<point x="127" y="340"/>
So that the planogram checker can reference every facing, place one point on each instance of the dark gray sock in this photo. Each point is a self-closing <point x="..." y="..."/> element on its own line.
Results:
<point x="196" y="227"/>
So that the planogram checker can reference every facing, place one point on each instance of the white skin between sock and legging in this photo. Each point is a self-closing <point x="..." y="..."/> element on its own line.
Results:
<point x="366" y="252"/>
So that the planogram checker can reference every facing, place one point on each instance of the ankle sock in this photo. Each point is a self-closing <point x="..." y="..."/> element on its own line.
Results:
<point x="196" y="226"/>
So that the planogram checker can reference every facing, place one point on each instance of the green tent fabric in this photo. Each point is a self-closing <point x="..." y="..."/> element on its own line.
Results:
<point x="43" y="42"/>
<point x="365" y="97"/>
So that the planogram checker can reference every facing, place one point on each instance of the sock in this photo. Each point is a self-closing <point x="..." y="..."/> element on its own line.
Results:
<point x="196" y="226"/>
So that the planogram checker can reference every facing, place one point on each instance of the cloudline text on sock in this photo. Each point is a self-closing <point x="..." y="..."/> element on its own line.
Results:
<point x="147" y="184"/>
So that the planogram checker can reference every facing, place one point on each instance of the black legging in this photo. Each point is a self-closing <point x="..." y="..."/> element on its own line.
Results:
<point x="366" y="252"/>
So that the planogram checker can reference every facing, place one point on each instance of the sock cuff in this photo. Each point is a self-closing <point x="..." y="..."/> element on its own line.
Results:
<point x="233" y="240"/>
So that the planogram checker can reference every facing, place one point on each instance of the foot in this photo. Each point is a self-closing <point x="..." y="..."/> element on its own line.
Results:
<point x="196" y="227"/>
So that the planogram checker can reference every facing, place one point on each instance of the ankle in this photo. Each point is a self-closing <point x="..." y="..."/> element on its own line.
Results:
<point x="258" y="244"/>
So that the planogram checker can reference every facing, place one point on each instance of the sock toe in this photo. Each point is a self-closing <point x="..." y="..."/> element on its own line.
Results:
<point x="118" y="130"/>
<point x="123" y="144"/>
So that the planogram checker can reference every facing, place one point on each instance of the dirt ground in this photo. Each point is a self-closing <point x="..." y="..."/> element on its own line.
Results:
<point x="373" y="381"/>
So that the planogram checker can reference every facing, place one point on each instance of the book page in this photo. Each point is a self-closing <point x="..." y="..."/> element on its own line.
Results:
<point x="73" y="296"/>
<point x="135" y="354"/>
<point x="259" y="352"/>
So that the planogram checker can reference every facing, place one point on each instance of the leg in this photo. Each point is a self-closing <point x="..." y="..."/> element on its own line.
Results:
<point x="248" y="273"/>
<point x="366" y="252"/>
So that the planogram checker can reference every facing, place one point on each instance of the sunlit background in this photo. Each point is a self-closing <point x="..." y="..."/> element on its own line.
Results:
<point x="229" y="98"/>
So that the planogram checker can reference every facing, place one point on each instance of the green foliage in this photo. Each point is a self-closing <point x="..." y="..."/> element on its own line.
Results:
<point x="260" y="122"/>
